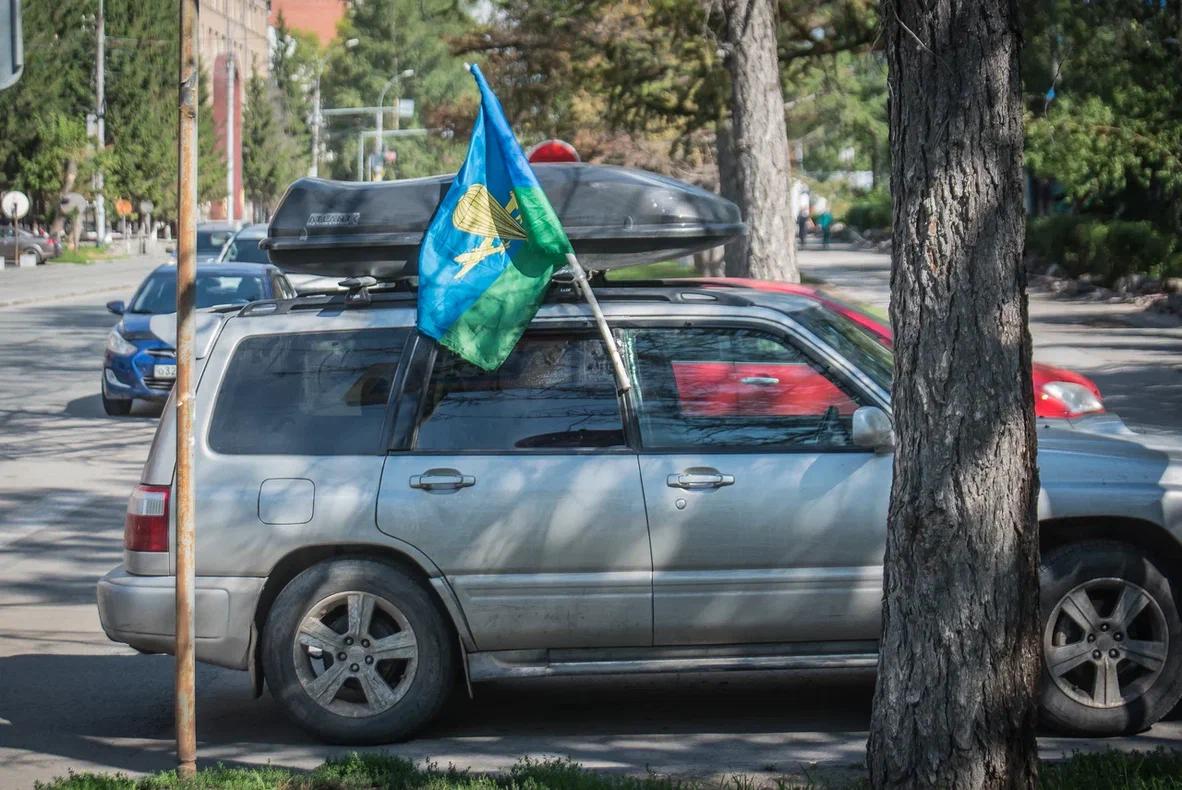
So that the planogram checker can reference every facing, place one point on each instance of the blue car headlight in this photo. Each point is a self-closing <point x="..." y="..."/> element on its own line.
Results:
<point x="118" y="345"/>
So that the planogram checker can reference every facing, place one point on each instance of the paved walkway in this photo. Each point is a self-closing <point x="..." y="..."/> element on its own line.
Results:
<point x="1133" y="355"/>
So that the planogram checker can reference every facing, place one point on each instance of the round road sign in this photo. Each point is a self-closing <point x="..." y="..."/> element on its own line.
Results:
<point x="146" y="206"/>
<point x="16" y="204"/>
<point x="123" y="207"/>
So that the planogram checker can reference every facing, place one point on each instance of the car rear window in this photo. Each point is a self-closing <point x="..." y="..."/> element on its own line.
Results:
<point x="555" y="391"/>
<point x="321" y="393"/>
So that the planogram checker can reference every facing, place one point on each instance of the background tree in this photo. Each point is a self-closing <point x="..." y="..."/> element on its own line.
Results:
<point x="959" y="650"/>
<point x="270" y="159"/>
<point x="392" y="36"/>
<point x="42" y="117"/>
<point x="1104" y="96"/>
<point x="295" y="64"/>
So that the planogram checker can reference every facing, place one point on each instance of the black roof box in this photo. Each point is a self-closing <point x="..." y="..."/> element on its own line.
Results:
<point x="614" y="216"/>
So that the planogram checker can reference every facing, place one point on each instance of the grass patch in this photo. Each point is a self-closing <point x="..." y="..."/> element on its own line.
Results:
<point x="83" y="255"/>
<point x="1160" y="769"/>
<point x="369" y="771"/>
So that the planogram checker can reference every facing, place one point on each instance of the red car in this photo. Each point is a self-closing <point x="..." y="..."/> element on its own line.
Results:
<point x="1058" y="393"/>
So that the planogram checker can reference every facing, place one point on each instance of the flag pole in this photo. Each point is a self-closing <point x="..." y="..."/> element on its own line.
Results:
<point x="613" y="350"/>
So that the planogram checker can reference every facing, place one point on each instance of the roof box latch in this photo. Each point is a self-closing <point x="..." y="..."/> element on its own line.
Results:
<point x="358" y="288"/>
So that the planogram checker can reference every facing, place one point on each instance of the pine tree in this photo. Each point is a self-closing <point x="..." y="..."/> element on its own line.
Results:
<point x="270" y="160"/>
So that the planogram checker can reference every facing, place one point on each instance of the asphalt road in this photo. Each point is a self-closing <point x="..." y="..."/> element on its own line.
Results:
<point x="70" y="699"/>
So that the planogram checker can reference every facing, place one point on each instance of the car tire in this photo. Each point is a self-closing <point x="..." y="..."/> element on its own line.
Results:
<point x="318" y="645"/>
<point x="115" y="407"/>
<point x="1111" y="638"/>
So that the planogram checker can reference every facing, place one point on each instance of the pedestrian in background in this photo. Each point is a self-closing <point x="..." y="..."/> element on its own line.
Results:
<point x="802" y="225"/>
<point x="824" y="222"/>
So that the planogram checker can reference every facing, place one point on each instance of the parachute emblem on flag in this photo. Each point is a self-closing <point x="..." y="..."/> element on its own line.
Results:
<point x="480" y="214"/>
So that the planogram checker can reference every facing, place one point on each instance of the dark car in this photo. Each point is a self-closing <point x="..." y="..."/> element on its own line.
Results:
<point x="40" y="247"/>
<point x="139" y="363"/>
<point x="211" y="240"/>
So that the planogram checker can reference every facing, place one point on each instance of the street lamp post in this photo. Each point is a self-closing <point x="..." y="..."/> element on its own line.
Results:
<point x="379" y="144"/>
<point x="317" y="116"/>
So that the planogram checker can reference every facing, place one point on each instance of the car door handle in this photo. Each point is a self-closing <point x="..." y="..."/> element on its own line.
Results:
<point x="442" y="480"/>
<point x="699" y="480"/>
<point x="760" y="381"/>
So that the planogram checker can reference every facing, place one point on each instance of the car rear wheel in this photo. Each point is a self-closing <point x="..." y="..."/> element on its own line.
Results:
<point x="357" y="652"/>
<point x="115" y="407"/>
<point x="1111" y="638"/>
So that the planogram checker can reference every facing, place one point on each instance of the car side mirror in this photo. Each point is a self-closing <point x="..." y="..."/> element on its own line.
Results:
<point x="117" y="307"/>
<point x="872" y="429"/>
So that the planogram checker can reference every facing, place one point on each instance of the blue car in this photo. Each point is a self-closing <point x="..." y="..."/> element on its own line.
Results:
<point x="140" y="365"/>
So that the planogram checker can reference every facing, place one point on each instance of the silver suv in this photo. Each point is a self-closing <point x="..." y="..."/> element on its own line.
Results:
<point x="378" y="520"/>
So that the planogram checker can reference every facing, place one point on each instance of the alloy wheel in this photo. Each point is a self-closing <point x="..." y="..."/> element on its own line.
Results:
<point x="1105" y="643"/>
<point x="355" y="654"/>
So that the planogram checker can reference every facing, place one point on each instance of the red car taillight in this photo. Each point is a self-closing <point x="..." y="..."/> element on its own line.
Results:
<point x="146" y="525"/>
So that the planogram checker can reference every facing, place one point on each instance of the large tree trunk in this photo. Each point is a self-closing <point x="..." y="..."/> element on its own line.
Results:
<point x="760" y="140"/>
<point x="959" y="651"/>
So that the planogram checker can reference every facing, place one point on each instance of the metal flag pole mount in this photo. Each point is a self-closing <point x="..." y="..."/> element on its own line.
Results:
<point x="186" y="273"/>
<point x="613" y="350"/>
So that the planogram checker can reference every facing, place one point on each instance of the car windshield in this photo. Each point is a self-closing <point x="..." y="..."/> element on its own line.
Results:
<point x="858" y="346"/>
<point x="211" y="241"/>
<point x="245" y="249"/>
<point x="158" y="292"/>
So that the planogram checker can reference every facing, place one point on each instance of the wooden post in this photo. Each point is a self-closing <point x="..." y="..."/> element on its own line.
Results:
<point x="186" y="271"/>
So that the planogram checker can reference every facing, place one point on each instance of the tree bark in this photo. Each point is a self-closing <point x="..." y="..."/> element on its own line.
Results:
<point x="959" y="658"/>
<point x="760" y="140"/>
<point x="734" y="255"/>
<point x="71" y="175"/>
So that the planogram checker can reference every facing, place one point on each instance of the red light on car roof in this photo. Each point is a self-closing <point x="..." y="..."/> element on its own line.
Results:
<point x="553" y="150"/>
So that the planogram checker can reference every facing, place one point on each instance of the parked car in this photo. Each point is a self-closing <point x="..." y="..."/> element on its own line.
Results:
<point x="1062" y="398"/>
<point x="245" y="247"/>
<point x="212" y="238"/>
<point x="381" y="520"/>
<point x="138" y="362"/>
<point x="40" y="247"/>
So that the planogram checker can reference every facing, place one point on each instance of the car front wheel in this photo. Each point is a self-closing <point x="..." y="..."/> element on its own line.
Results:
<point x="357" y="652"/>
<point x="1111" y="639"/>
<point x="115" y="407"/>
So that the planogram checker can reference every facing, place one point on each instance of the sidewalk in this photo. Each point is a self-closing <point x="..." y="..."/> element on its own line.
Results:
<point x="1135" y="357"/>
<point x="53" y="281"/>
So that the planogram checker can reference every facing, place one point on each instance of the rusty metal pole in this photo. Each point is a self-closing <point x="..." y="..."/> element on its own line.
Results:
<point x="186" y="272"/>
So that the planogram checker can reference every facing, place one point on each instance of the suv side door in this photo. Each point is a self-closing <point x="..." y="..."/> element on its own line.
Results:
<point x="520" y="485"/>
<point x="767" y="524"/>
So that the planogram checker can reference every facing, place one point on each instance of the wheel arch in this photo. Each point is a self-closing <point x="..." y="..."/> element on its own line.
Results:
<point x="1155" y="540"/>
<point x="299" y="560"/>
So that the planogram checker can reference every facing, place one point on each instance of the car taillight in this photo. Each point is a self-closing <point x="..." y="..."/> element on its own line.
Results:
<point x="146" y="525"/>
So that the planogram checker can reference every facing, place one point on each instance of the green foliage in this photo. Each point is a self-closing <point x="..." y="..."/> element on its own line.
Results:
<point x="295" y="66"/>
<point x="870" y="211"/>
<point x="269" y="158"/>
<point x="392" y="36"/>
<point x="1112" y="134"/>
<point x="1106" y="249"/>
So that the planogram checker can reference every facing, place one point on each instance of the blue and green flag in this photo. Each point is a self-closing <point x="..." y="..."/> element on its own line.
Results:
<point x="488" y="254"/>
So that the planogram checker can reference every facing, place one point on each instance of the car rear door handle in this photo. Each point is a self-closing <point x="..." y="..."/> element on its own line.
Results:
<point x="691" y="480"/>
<point x="441" y="480"/>
<point x="760" y="381"/>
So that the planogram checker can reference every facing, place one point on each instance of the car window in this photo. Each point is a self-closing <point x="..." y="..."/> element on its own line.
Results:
<point x="307" y="394"/>
<point x="157" y="294"/>
<point x="246" y="250"/>
<point x="731" y="387"/>
<point x="857" y="344"/>
<point x="555" y="391"/>
<point x="209" y="241"/>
